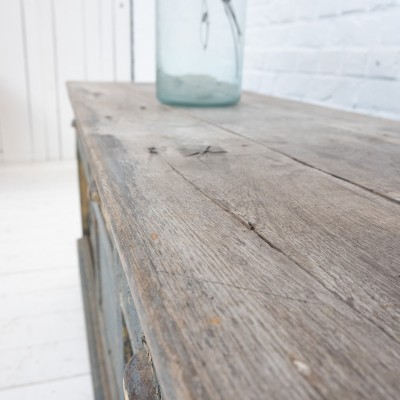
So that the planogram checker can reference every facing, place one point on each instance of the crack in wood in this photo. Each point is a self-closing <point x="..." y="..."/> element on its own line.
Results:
<point x="251" y="227"/>
<point x="200" y="152"/>
<point x="393" y="200"/>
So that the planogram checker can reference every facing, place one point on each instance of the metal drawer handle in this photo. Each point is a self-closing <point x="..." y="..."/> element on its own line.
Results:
<point x="140" y="382"/>
<point x="93" y="194"/>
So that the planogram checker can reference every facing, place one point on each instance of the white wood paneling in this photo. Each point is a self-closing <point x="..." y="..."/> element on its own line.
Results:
<point x="69" y="25"/>
<point x="43" y="44"/>
<point x="122" y="38"/>
<point x="144" y="40"/>
<point x="14" y="107"/>
<point x="42" y="79"/>
<point x="107" y="39"/>
<point x="92" y="43"/>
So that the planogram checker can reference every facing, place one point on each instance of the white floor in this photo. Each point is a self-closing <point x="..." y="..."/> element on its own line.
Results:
<point x="43" y="350"/>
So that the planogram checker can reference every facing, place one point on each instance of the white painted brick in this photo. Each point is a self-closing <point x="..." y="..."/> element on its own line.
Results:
<point x="344" y="53"/>
<point x="254" y="59"/>
<point x="252" y="80"/>
<point x="328" y="8"/>
<point x="375" y="5"/>
<point x="311" y="34"/>
<point x="355" y="62"/>
<point x="308" y="61"/>
<point x="307" y="9"/>
<point x="267" y="83"/>
<point x="344" y="93"/>
<point x="384" y="63"/>
<point x="291" y="85"/>
<point x="380" y="95"/>
<point x="390" y="27"/>
<point x="255" y="37"/>
<point x="330" y="61"/>
<point x="289" y="59"/>
<point x="274" y="36"/>
<point x="257" y="14"/>
<point x="272" y="61"/>
<point x="356" y="31"/>
<point x="352" y="6"/>
<point x="282" y="11"/>
<point x="321" y="88"/>
<point x="281" y="60"/>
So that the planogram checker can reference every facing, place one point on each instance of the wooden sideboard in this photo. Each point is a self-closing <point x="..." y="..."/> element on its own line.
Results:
<point x="250" y="252"/>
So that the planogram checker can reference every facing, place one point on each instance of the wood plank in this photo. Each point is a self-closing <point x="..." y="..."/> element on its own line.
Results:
<point x="41" y="328"/>
<point x="35" y="114"/>
<point x="131" y="318"/>
<point x="144" y="40"/>
<point x="359" y="149"/>
<point x="92" y="39"/>
<point x="107" y="66"/>
<point x="70" y="64"/>
<point x="42" y="84"/>
<point x="122" y="39"/>
<point x="319" y="137"/>
<point x="31" y="28"/>
<point x="345" y="119"/>
<point x="38" y="207"/>
<point x="111" y="314"/>
<point x="21" y="305"/>
<point x="1" y="145"/>
<point x="39" y="281"/>
<point x="96" y="351"/>
<point x="78" y="388"/>
<point x="309" y="216"/>
<point x="225" y="313"/>
<point x="14" y="102"/>
<point x="35" y="364"/>
<point x="100" y="39"/>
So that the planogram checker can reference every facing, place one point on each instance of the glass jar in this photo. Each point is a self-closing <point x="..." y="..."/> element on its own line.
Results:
<point x="200" y="51"/>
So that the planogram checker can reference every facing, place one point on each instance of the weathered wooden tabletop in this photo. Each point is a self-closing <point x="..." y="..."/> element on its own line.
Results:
<point x="261" y="242"/>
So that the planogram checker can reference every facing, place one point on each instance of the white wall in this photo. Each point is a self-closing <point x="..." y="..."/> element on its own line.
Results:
<point x="144" y="40"/>
<point x="43" y="44"/>
<point x="340" y="53"/>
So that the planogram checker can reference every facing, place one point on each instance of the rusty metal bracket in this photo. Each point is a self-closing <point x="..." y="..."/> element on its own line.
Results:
<point x="140" y="382"/>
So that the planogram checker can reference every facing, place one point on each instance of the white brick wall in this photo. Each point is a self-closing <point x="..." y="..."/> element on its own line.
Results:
<point x="340" y="53"/>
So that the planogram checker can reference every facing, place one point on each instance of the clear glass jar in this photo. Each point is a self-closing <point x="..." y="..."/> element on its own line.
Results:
<point x="200" y="51"/>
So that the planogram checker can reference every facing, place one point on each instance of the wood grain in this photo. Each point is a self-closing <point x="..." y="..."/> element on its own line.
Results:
<point x="98" y="373"/>
<point x="241" y="262"/>
<point x="359" y="149"/>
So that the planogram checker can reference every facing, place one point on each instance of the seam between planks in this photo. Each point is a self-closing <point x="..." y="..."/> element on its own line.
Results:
<point x="247" y="224"/>
<point x="392" y="200"/>
<point x="113" y="237"/>
<point x="278" y="296"/>
<point x="61" y="378"/>
<point x="360" y="186"/>
<point x="252" y="227"/>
